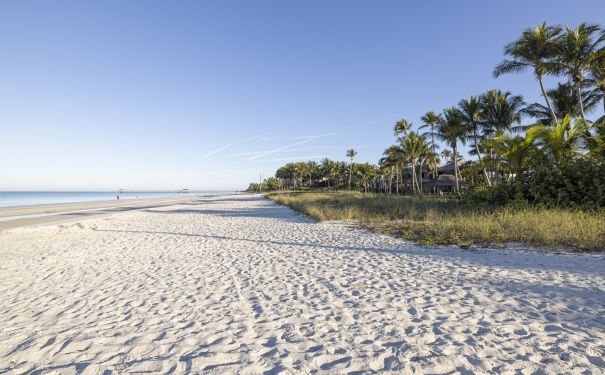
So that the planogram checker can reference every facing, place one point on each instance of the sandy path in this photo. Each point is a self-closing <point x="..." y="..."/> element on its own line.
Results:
<point x="238" y="284"/>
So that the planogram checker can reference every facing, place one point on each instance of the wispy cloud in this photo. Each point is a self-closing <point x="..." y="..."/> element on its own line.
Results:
<point x="368" y="122"/>
<point x="302" y="140"/>
<point x="310" y="157"/>
<point x="300" y="137"/>
<point x="297" y="149"/>
<point x="278" y="149"/>
<point x="359" y="147"/>
<point x="224" y="147"/>
<point x="289" y="147"/>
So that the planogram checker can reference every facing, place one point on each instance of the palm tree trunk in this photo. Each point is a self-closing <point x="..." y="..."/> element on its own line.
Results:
<point x="350" y="173"/>
<point x="434" y="150"/>
<point x="455" y="150"/>
<point x="489" y="183"/>
<point x="603" y="91"/>
<point x="413" y="176"/>
<point x="497" y="168"/>
<point x="420" y="192"/>
<point x="552" y="113"/>
<point x="579" y="93"/>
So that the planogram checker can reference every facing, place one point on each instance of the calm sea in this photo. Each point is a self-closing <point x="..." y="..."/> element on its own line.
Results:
<point x="24" y="198"/>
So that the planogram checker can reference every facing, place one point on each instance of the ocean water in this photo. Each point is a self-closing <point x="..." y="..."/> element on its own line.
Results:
<point x="25" y="198"/>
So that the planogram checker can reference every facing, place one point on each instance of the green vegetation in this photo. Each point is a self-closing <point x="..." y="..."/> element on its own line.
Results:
<point x="537" y="173"/>
<point x="445" y="220"/>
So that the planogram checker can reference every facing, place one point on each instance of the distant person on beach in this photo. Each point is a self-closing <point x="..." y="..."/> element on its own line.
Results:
<point x="118" y="197"/>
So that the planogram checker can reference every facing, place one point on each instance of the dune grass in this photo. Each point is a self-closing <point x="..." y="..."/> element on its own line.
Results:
<point x="444" y="220"/>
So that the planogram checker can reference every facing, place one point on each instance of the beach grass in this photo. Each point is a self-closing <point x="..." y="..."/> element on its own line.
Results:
<point x="446" y="221"/>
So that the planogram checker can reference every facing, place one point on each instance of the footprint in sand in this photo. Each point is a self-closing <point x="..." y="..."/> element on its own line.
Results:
<point x="307" y="330"/>
<point x="328" y="361"/>
<point x="291" y="335"/>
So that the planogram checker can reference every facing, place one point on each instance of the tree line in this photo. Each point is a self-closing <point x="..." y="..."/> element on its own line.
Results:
<point x="507" y="137"/>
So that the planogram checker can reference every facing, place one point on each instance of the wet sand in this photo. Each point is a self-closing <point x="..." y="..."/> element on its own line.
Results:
<point x="64" y="212"/>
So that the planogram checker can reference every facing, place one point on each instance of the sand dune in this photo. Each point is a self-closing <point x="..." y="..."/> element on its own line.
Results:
<point x="240" y="285"/>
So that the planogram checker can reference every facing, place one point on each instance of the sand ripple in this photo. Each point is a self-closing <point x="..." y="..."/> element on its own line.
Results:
<point x="238" y="284"/>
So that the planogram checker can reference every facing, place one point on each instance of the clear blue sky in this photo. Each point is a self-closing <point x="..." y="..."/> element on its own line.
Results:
<point x="207" y="95"/>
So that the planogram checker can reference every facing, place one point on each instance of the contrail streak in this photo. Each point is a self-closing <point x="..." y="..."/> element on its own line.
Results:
<point x="227" y="146"/>
<point x="280" y="149"/>
<point x="310" y="157"/>
<point x="368" y="122"/>
<point x="300" y="137"/>
<point x="288" y="150"/>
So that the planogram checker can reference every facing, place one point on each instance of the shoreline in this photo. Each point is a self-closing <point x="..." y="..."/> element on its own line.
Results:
<point x="18" y="216"/>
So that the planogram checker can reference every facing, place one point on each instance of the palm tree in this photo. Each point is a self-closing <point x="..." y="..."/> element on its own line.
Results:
<point x="576" y="51"/>
<point x="387" y="168"/>
<point x="366" y="172"/>
<point x="430" y="120"/>
<point x="351" y="153"/>
<point x="326" y="167"/>
<point x="394" y="155"/>
<point x="595" y="143"/>
<point x="415" y="147"/>
<point x="401" y="128"/>
<point x="451" y="131"/>
<point x="311" y="170"/>
<point x="561" y="141"/>
<point x="500" y="111"/>
<point x="470" y="115"/>
<point x="532" y="50"/>
<point x="432" y="161"/>
<point x="597" y="76"/>
<point x="565" y="102"/>
<point x="516" y="151"/>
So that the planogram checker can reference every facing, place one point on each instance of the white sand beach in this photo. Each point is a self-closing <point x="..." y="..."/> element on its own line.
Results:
<point x="238" y="284"/>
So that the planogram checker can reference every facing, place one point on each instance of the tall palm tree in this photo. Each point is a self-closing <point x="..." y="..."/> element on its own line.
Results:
<point x="500" y="111"/>
<point x="351" y="153"/>
<point x="395" y="157"/>
<point x="387" y="168"/>
<point x="431" y="120"/>
<point x="402" y="127"/>
<point x="597" y="76"/>
<point x="451" y="131"/>
<point x="576" y="51"/>
<point x="432" y="161"/>
<point x="470" y="114"/>
<point x="415" y="146"/>
<point x="532" y="51"/>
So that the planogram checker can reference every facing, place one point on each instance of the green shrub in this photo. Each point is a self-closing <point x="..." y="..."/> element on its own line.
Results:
<point x="575" y="183"/>
<point x="579" y="182"/>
